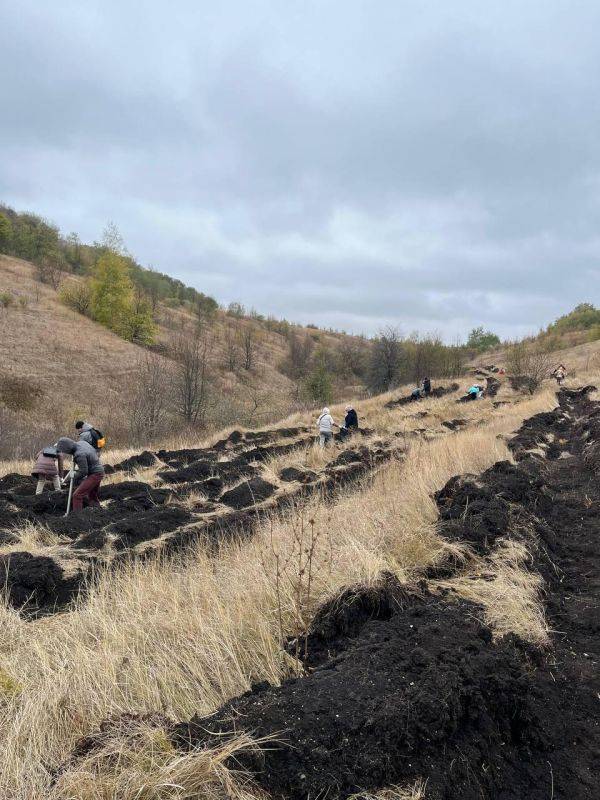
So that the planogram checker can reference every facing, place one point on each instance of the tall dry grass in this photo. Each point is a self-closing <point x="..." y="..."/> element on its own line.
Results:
<point x="182" y="637"/>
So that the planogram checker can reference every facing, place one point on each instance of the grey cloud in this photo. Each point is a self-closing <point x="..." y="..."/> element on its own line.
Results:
<point x="426" y="164"/>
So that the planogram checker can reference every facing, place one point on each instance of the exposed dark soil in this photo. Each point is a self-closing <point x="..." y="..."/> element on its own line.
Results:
<point x="248" y="493"/>
<point x="404" y="683"/>
<point x="523" y="383"/>
<point x="137" y="518"/>
<point x="34" y="582"/>
<point x="437" y="391"/>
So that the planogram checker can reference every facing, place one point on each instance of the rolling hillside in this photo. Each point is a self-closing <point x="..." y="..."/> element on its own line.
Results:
<point x="68" y="366"/>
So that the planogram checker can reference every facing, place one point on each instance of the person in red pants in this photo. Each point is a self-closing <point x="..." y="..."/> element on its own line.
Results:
<point x="88" y="471"/>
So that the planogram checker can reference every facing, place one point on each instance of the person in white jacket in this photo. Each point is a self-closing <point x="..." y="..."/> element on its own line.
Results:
<point x="326" y="426"/>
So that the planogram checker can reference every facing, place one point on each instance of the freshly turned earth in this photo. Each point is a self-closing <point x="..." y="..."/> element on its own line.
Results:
<point x="404" y="684"/>
<point x="224" y="484"/>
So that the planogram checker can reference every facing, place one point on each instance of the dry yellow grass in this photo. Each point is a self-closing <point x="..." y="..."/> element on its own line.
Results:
<point x="183" y="637"/>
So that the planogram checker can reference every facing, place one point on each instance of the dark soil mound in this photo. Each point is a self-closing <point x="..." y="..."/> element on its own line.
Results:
<point x="198" y="471"/>
<point x="148" y="525"/>
<point x="289" y="474"/>
<point x="421" y="693"/>
<point x="440" y="391"/>
<point x="248" y="493"/>
<point x="523" y="383"/>
<point x="126" y="489"/>
<point x="144" y="459"/>
<point x="48" y="503"/>
<point x="14" y="480"/>
<point x="182" y="458"/>
<point x="351" y="456"/>
<point x="405" y="686"/>
<point x="35" y="582"/>
<point x="454" y="424"/>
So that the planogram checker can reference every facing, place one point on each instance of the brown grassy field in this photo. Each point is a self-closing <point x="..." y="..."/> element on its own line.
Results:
<point x="183" y="636"/>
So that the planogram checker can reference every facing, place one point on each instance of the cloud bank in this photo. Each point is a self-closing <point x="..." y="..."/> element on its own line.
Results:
<point x="353" y="164"/>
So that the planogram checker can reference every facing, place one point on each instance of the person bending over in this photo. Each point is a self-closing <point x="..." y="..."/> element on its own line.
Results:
<point x="48" y="467"/>
<point x="88" y="471"/>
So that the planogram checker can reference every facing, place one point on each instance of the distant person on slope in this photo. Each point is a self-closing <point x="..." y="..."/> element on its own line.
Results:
<point x="426" y="386"/>
<point x="560" y="373"/>
<point x="326" y="425"/>
<point x="88" y="471"/>
<point x="48" y="467"/>
<point x="351" y="419"/>
<point x="350" y="422"/>
<point x="89" y="434"/>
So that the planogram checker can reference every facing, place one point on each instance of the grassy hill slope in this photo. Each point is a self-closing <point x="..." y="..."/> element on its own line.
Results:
<point x="57" y="365"/>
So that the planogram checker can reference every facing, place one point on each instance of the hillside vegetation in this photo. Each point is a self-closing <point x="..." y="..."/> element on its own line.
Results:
<point x="88" y="332"/>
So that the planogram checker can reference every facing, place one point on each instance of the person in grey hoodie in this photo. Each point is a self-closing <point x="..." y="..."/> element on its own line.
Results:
<point x="86" y="432"/>
<point x="88" y="471"/>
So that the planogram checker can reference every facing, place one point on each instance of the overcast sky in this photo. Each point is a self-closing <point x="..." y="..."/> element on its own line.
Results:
<point x="434" y="165"/>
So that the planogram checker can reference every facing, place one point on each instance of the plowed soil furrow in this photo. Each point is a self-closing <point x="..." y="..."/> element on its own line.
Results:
<point x="207" y="493"/>
<point x="406" y="684"/>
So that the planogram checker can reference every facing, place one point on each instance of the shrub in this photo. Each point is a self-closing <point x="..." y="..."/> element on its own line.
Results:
<point x="531" y="361"/>
<point x="77" y="295"/>
<point x="19" y="394"/>
<point x="6" y="299"/>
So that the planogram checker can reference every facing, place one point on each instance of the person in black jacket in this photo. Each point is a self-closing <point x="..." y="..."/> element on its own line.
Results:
<point x="350" y="422"/>
<point x="426" y="386"/>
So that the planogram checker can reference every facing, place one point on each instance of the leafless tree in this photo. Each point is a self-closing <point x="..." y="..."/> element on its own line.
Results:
<point x="192" y="380"/>
<point x="151" y="398"/>
<point x="530" y="360"/>
<point x="231" y="348"/>
<point x="300" y="349"/>
<point x="49" y="270"/>
<point x="257" y="394"/>
<point x="249" y="341"/>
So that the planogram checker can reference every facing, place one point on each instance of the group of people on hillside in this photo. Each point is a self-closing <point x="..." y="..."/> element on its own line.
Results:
<point x="422" y="390"/>
<point x="326" y="425"/>
<point x="86" y="471"/>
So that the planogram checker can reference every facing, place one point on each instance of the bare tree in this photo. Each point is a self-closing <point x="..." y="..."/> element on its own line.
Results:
<point x="49" y="270"/>
<point x="232" y="348"/>
<point x="249" y="341"/>
<point x="151" y="398"/>
<point x="257" y="394"/>
<point x="193" y="353"/>
<point x="385" y="360"/>
<point x="300" y="349"/>
<point x="529" y="361"/>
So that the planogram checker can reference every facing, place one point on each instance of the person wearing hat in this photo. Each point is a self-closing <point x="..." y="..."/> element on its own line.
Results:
<point x="326" y="426"/>
<point x="48" y="467"/>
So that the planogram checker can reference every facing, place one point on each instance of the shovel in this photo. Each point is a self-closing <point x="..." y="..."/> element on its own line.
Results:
<point x="70" y="490"/>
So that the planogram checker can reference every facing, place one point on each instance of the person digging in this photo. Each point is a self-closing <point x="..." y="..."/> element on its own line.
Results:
<point x="88" y="471"/>
<point x="48" y="467"/>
